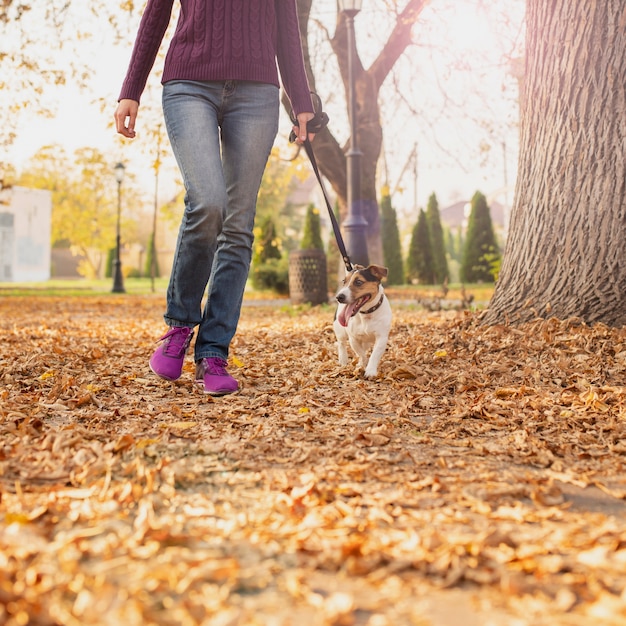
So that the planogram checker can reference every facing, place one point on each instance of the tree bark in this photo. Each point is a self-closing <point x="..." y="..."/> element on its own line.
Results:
<point x="328" y="152"/>
<point x="565" y="255"/>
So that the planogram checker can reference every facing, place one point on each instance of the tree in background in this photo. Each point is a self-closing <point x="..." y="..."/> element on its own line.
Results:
<point x="279" y="179"/>
<point x="481" y="253"/>
<point x="440" y="263"/>
<point x="267" y="244"/>
<point x="269" y="269"/>
<point x="453" y="238"/>
<point x="312" y="235"/>
<point x="419" y="263"/>
<point x="330" y="153"/>
<point x="390" y="234"/>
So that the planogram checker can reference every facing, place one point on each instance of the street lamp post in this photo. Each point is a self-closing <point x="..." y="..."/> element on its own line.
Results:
<point x="118" y="279"/>
<point x="355" y="224"/>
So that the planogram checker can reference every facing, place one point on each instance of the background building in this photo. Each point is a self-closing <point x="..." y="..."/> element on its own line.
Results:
<point x="25" y="225"/>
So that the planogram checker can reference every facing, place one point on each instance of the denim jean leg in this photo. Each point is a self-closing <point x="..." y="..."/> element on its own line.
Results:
<point x="249" y="125"/>
<point x="191" y="113"/>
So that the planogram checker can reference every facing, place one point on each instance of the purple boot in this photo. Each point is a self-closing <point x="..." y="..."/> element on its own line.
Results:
<point x="167" y="360"/>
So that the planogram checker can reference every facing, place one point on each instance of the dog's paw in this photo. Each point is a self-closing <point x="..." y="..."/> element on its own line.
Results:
<point x="371" y="373"/>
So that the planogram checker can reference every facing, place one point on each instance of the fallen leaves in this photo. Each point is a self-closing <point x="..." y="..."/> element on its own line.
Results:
<point x="486" y="461"/>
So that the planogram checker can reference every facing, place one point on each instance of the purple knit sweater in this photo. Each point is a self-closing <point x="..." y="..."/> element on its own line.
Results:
<point x="222" y="40"/>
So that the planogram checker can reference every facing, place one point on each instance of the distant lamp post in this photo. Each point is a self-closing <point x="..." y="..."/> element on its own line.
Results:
<point x="355" y="224"/>
<point x="118" y="279"/>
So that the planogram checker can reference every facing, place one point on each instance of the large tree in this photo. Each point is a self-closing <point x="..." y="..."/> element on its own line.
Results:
<point x="565" y="255"/>
<point x="368" y="82"/>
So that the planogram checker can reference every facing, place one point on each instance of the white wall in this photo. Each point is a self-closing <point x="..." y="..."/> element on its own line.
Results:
<point x="25" y="225"/>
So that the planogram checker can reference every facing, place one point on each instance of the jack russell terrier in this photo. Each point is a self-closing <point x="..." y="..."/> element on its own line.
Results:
<point x="363" y="317"/>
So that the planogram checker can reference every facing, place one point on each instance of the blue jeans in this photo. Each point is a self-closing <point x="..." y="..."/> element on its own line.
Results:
<point x="221" y="134"/>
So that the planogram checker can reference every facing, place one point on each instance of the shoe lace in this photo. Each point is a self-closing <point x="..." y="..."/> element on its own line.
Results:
<point x="176" y="341"/>
<point x="216" y="366"/>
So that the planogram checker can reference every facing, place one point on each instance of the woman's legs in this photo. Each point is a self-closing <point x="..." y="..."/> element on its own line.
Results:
<point x="191" y="116"/>
<point x="215" y="238"/>
<point x="249" y="126"/>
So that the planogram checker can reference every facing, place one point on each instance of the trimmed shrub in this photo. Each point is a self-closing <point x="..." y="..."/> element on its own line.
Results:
<point x="312" y="235"/>
<point x="481" y="255"/>
<point x="392" y="248"/>
<point x="419" y="265"/>
<point x="440" y="264"/>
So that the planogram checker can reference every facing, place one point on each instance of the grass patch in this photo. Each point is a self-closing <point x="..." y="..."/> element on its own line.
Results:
<point x="83" y="287"/>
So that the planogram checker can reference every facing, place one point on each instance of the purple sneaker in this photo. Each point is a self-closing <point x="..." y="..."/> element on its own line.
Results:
<point x="167" y="360"/>
<point x="211" y="372"/>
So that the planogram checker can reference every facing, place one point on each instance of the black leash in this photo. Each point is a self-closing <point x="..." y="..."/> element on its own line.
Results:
<point x="314" y="126"/>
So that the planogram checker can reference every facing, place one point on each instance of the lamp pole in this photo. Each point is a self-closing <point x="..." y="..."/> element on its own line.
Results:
<point x="355" y="224"/>
<point x="118" y="279"/>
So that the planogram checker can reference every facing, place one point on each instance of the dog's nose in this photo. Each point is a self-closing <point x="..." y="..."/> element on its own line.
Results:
<point x="341" y="297"/>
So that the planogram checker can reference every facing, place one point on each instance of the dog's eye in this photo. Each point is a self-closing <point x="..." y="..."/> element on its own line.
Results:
<point x="358" y="282"/>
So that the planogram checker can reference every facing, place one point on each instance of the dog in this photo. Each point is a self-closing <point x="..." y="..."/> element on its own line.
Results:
<point x="363" y="317"/>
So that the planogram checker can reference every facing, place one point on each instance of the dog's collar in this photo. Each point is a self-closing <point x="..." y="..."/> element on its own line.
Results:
<point x="376" y="306"/>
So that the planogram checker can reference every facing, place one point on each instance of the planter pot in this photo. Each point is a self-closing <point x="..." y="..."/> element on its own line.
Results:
<point x="307" y="277"/>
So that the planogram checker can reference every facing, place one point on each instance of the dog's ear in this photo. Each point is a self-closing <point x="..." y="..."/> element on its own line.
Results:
<point x="379" y="271"/>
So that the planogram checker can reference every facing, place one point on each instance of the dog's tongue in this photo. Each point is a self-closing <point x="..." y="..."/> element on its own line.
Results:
<point x="349" y="310"/>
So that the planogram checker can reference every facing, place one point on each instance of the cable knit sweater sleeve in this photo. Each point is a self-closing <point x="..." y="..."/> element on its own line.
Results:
<point x="152" y="27"/>
<point x="289" y="56"/>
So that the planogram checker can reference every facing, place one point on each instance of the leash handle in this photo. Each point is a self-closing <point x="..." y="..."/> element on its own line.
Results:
<point x="315" y="125"/>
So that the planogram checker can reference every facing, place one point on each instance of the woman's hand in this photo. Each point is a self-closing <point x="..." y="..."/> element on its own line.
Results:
<point x="126" y="110"/>
<point x="300" y="130"/>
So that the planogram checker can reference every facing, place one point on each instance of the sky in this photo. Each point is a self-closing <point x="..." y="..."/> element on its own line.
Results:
<point x="457" y="109"/>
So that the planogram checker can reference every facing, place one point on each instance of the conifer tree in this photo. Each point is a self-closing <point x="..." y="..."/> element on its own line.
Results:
<point x="312" y="235"/>
<point x="269" y="268"/>
<point x="392" y="249"/>
<point x="448" y="237"/>
<point x="481" y="253"/>
<point x="420" y="258"/>
<point x="440" y="263"/>
<point x="267" y="243"/>
<point x="459" y="245"/>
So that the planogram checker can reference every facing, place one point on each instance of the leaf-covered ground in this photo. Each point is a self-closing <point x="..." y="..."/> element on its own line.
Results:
<point x="479" y="480"/>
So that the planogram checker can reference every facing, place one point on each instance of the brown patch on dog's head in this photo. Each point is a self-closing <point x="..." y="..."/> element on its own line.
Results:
<point x="371" y="273"/>
<point x="359" y="286"/>
<point x="378" y="271"/>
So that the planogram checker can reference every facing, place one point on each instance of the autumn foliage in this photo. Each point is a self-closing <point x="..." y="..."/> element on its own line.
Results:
<point x="485" y="466"/>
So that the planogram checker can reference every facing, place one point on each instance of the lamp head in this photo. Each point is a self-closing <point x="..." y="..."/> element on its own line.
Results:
<point x="119" y="172"/>
<point x="350" y="7"/>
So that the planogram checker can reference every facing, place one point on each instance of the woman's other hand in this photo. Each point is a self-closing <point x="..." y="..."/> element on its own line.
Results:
<point x="125" y="117"/>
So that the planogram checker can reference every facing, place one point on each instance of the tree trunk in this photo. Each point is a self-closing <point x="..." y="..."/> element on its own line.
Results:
<point x="565" y="255"/>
